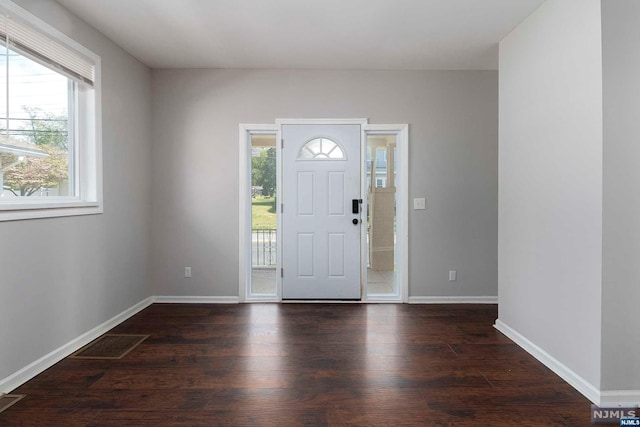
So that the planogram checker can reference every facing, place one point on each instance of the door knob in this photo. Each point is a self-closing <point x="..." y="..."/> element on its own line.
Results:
<point x="355" y="221"/>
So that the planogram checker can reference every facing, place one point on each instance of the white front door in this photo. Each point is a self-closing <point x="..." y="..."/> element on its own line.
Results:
<point x="321" y="243"/>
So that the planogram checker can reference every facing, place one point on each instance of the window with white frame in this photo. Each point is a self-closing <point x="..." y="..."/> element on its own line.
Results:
<point x="49" y="120"/>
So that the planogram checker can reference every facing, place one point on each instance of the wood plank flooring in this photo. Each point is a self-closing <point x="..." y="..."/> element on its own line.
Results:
<point x="305" y="364"/>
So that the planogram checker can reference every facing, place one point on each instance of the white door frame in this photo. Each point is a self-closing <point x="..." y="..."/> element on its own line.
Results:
<point x="244" y="244"/>
<point x="402" y="210"/>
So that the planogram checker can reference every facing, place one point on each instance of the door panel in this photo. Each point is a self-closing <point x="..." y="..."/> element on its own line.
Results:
<point x="336" y="254"/>
<point x="321" y="245"/>
<point x="336" y="194"/>
<point x="305" y="255"/>
<point x="305" y="193"/>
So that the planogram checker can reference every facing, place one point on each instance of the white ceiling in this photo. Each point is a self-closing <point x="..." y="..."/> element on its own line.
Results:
<point x="335" y="34"/>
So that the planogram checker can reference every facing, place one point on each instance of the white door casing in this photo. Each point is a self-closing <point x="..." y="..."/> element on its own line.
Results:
<point x="321" y="256"/>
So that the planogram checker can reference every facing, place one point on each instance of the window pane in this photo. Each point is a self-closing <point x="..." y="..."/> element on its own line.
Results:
<point x="35" y="153"/>
<point x="321" y="149"/>
<point x="263" y="215"/>
<point x="381" y="215"/>
<point x="315" y="146"/>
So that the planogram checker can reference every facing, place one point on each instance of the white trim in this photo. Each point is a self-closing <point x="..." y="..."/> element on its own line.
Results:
<point x="364" y="195"/>
<point x="360" y="121"/>
<point x="244" y="188"/>
<point x="619" y="399"/>
<point x="382" y="299"/>
<point x="454" y="300"/>
<point x="244" y="211"/>
<point x="402" y="209"/>
<point x="384" y="128"/>
<point x="278" y="212"/>
<point x="576" y="381"/>
<point x="320" y="301"/>
<point x="43" y="203"/>
<point x="23" y="212"/>
<point x="260" y="300"/>
<point x="178" y="299"/>
<point x="402" y="212"/>
<point x="20" y="377"/>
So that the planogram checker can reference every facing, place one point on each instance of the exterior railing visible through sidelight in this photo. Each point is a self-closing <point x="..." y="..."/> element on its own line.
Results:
<point x="263" y="247"/>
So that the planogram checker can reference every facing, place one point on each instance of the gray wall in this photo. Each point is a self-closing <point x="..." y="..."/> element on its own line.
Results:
<point x="621" y="269"/>
<point x="453" y="162"/>
<point x="550" y="168"/>
<point x="62" y="277"/>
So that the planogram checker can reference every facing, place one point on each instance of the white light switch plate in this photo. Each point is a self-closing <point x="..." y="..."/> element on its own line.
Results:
<point x="419" y="203"/>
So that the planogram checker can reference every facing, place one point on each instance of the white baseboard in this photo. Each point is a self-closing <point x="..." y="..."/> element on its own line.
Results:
<point x="20" y="377"/>
<point x="619" y="399"/>
<point x="453" y="300"/>
<point x="576" y="381"/>
<point x="611" y="398"/>
<point x="195" y="300"/>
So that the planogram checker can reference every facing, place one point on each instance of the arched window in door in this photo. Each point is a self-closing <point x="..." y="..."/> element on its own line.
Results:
<point x="321" y="149"/>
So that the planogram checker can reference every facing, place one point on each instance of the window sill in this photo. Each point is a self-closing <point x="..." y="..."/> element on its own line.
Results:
<point x="47" y="209"/>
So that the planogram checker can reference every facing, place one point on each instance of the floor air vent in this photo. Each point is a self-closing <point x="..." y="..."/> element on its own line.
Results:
<point x="109" y="346"/>
<point x="7" y="400"/>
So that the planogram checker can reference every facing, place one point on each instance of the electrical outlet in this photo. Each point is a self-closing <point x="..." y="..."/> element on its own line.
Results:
<point x="187" y="272"/>
<point x="419" y="203"/>
<point x="453" y="275"/>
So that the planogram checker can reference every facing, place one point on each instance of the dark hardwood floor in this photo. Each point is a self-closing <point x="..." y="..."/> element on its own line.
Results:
<point x="305" y="364"/>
